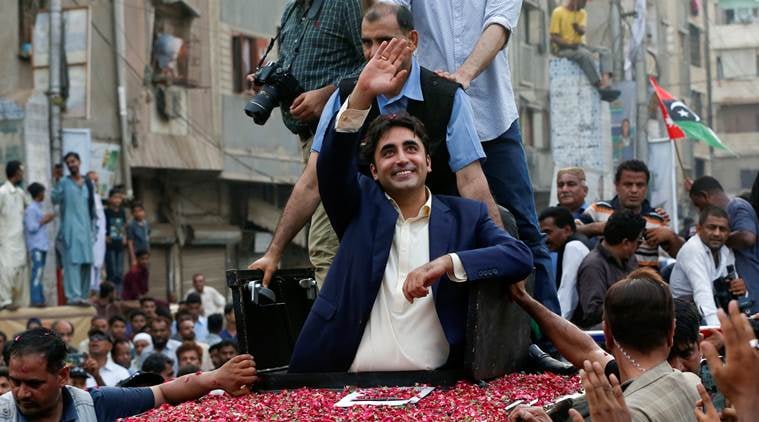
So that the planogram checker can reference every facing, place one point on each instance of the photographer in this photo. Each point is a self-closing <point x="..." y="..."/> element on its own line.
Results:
<point x="703" y="259"/>
<point x="319" y="44"/>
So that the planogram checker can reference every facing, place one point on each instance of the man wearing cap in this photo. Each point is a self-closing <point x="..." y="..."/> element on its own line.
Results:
<point x="102" y="369"/>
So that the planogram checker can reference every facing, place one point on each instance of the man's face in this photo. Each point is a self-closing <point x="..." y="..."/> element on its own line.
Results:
<point x="149" y="308"/>
<point x="139" y="345"/>
<point x="400" y="162"/>
<point x="714" y="232"/>
<point x="702" y="200"/>
<point x="226" y="353"/>
<point x="187" y="330"/>
<point x="64" y="331"/>
<point x="556" y="236"/>
<point x="194" y="309"/>
<point x="189" y="357"/>
<point x="138" y="213"/>
<point x="571" y="191"/>
<point x="144" y="261"/>
<point x="138" y="323"/>
<point x="384" y="29"/>
<point x="686" y="357"/>
<point x="122" y="355"/>
<point x="230" y="318"/>
<point x="198" y="283"/>
<point x="73" y="165"/>
<point x="35" y="390"/>
<point x="631" y="189"/>
<point x="168" y="372"/>
<point x="630" y="246"/>
<point x="116" y="200"/>
<point x="159" y="331"/>
<point x="214" y="354"/>
<point x="5" y="385"/>
<point x="118" y="330"/>
<point x="99" y="324"/>
<point x="99" y="346"/>
<point x="19" y="176"/>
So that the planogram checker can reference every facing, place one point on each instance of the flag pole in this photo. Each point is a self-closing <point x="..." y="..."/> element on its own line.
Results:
<point x="679" y="159"/>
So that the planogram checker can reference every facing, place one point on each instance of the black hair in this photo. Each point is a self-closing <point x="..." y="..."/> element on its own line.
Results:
<point x="140" y="253"/>
<point x="562" y="217"/>
<point x="187" y="370"/>
<point x="4" y="371"/>
<point x="32" y="320"/>
<point x="11" y="168"/>
<point x="182" y="315"/>
<point x="164" y="312"/>
<point x="114" y="191"/>
<point x="711" y="211"/>
<point x="137" y="204"/>
<point x="636" y="166"/>
<point x="40" y="341"/>
<point x="639" y="310"/>
<point x="136" y="312"/>
<point x="228" y="308"/>
<point x="705" y="184"/>
<point x="193" y="298"/>
<point x="382" y="124"/>
<point x="687" y="321"/>
<point x="96" y="332"/>
<point x="71" y="154"/>
<point x="115" y="318"/>
<point x="215" y="323"/>
<point x="156" y="363"/>
<point x="403" y="15"/>
<point x="35" y="189"/>
<point x="106" y="289"/>
<point x="147" y="299"/>
<point x="227" y="343"/>
<point x="623" y="224"/>
<point x="754" y="195"/>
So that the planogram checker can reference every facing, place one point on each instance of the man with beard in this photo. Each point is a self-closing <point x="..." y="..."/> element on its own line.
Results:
<point x="39" y="393"/>
<point x="703" y="259"/>
<point x="160" y="331"/>
<point x="12" y="244"/>
<point x="74" y="194"/>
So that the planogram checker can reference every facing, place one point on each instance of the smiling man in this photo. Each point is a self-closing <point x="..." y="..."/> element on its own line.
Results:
<point x="703" y="259"/>
<point x="631" y="184"/>
<point x="399" y="243"/>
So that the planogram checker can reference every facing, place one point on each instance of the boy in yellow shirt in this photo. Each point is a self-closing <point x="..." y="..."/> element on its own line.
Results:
<point x="568" y="26"/>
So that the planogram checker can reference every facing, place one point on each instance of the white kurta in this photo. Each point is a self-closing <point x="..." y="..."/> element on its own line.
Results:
<point x="98" y="249"/>
<point x="13" y="283"/>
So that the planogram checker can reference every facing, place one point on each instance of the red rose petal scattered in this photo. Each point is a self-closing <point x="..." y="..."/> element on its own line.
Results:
<point x="465" y="401"/>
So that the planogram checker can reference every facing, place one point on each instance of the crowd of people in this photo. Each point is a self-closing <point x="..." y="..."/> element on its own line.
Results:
<point x="91" y="242"/>
<point x="387" y="95"/>
<point x="200" y="336"/>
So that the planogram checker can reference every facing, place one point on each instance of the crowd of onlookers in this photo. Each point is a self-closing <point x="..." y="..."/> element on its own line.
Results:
<point x="201" y="335"/>
<point x="93" y="241"/>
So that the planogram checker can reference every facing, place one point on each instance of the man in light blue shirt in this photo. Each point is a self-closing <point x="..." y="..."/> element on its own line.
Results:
<point x="35" y="228"/>
<point x="381" y="23"/>
<point x="467" y="41"/>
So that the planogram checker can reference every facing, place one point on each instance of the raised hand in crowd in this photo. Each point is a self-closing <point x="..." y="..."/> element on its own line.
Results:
<point x="382" y="74"/>
<point x="737" y="377"/>
<point x="705" y="410"/>
<point x="605" y="399"/>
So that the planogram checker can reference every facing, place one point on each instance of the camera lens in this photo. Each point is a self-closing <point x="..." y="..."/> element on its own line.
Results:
<point x="260" y="106"/>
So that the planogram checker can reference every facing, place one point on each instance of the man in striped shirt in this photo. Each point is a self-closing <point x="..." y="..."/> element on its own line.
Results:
<point x="631" y="183"/>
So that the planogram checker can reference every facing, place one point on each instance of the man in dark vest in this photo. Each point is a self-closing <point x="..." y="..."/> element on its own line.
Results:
<point x="440" y="104"/>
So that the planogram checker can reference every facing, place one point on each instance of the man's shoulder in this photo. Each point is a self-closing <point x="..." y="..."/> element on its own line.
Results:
<point x="459" y="203"/>
<point x="736" y="204"/>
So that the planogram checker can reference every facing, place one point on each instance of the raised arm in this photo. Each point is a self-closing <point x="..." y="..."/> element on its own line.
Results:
<point x="569" y="340"/>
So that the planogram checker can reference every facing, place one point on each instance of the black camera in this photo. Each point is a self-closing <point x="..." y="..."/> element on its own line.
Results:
<point x="279" y="88"/>
<point x="723" y="295"/>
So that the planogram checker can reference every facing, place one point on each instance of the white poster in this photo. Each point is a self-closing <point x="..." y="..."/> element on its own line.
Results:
<point x="662" y="187"/>
<point x="105" y="162"/>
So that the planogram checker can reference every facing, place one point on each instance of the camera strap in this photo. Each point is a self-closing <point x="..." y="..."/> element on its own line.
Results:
<point x="311" y="13"/>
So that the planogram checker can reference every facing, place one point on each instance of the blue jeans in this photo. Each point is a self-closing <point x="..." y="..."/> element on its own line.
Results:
<point x="509" y="180"/>
<point x="114" y="265"/>
<point x="38" y="266"/>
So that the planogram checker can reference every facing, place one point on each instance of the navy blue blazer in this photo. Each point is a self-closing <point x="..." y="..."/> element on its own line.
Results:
<point x="364" y="220"/>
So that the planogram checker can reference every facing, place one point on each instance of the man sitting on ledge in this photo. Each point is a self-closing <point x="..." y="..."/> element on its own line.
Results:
<point x="398" y="241"/>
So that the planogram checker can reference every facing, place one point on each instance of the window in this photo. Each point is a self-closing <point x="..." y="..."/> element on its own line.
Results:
<point x="721" y="69"/>
<point x="695" y="45"/>
<point x="739" y="118"/>
<point x="699" y="167"/>
<point x="747" y="178"/>
<point x="246" y="53"/>
<point x="27" y="13"/>
<point x="697" y="103"/>
<point x="75" y="78"/>
<point x="534" y="26"/>
<point x="526" y="125"/>
<point x="175" y="57"/>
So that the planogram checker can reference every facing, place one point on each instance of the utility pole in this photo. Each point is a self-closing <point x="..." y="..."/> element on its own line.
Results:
<point x="120" y="57"/>
<point x="617" y="52"/>
<point x="708" y="65"/>
<point x="54" y="79"/>
<point x="641" y="86"/>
